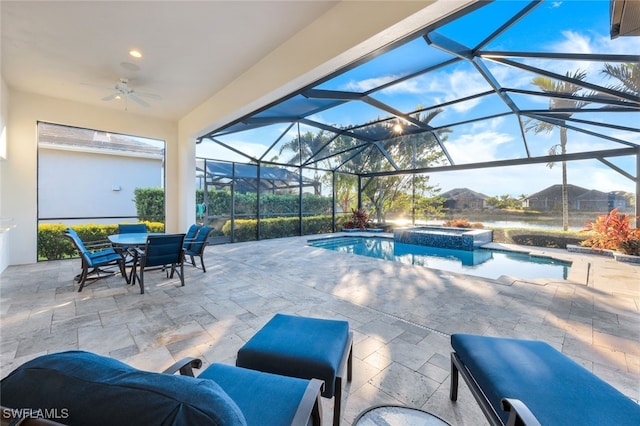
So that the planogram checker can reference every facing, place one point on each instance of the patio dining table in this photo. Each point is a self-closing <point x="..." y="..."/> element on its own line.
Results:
<point x="129" y="242"/>
<point x="135" y="239"/>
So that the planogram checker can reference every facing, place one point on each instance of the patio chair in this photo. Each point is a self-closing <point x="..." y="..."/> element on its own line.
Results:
<point x="95" y="256"/>
<point x="160" y="251"/>
<point x="191" y="235"/>
<point x="131" y="228"/>
<point x="198" y="245"/>
<point x="77" y="387"/>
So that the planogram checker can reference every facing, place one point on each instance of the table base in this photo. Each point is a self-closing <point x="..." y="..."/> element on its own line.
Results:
<point x="396" y="415"/>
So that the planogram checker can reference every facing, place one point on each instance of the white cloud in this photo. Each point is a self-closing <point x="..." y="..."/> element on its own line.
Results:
<point x="218" y="152"/>
<point x="438" y="87"/>
<point x="368" y="84"/>
<point x="619" y="46"/>
<point x="477" y="147"/>
<point x="573" y="43"/>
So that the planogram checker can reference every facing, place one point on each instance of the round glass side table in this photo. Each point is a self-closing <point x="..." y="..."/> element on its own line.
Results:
<point x="396" y="415"/>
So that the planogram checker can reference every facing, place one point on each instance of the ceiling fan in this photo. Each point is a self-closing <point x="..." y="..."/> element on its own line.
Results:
<point x="123" y="90"/>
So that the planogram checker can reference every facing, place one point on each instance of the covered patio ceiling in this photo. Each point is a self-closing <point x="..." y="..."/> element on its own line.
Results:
<point x="493" y="74"/>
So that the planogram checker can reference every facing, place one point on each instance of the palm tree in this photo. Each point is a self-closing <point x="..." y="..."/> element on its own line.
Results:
<point x="565" y="88"/>
<point x="627" y="74"/>
<point x="304" y="146"/>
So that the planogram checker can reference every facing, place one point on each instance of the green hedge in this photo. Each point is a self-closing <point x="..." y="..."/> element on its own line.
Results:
<point x="53" y="245"/>
<point x="219" y="203"/>
<point x="538" y="238"/>
<point x="149" y="204"/>
<point x="278" y="227"/>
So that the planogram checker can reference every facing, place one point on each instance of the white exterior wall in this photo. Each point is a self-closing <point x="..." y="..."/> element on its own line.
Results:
<point x="91" y="185"/>
<point x="5" y="222"/>
<point x="19" y="179"/>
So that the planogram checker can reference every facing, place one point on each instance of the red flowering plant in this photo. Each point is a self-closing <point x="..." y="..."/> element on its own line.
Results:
<point x="614" y="232"/>
<point x="359" y="220"/>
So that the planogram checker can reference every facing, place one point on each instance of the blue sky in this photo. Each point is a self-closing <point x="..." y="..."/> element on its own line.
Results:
<point x="572" y="26"/>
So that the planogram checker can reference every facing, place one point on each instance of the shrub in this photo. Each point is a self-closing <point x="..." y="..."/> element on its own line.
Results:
<point x="537" y="237"/>
<point x="613" y="232"/>
<point x="318" y="224"/>
<point x="245" y="229"/>
<point x="277" y="227"/>
<point x="462" y="223"/>
<point x="149" y="203"/>
<point x="359" y="220"/>
<point x="53" y="245"/>
<point x="631" y="247"/>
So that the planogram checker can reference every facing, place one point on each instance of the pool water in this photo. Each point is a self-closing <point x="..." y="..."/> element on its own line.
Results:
<point x="486" y="263"/>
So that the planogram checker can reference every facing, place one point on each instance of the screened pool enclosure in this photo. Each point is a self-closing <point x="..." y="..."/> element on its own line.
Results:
<point x="500" y="84"/>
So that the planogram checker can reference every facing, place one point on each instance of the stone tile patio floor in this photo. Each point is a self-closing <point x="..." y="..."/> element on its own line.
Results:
<point x="401" y="315"/>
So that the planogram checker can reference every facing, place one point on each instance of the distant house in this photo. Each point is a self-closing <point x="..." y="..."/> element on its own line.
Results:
<point x="464" y="199"/>
<point x="86" y="174"/>
<point x="579" y="199"/>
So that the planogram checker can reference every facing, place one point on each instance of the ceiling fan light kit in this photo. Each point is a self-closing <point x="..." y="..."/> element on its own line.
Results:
<point x="123" y="90"/>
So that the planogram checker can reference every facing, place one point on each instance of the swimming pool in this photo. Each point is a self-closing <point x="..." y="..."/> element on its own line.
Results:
<point x="486" y="263"/>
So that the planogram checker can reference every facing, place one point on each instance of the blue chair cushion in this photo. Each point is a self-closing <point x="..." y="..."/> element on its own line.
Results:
<point x="102" y="257"/>
<point x="96" y="390"/>
<point x="199" y="242"/>
<point x="263" y="398"/>
<point x="557" y="390"/>
<point x="163" y="250"/>
<point x="296" y="346"/>
<point x="191" y="234"/>
<point x="132" y="228"/>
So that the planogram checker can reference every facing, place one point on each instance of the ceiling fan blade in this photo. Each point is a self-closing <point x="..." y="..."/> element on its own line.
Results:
<point x="111" y="97"/>
<point x="148" y="95"/>
<point x="137" y="100"/>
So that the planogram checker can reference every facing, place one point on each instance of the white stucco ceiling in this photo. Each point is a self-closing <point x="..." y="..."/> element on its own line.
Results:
<point x="75" y="50"/>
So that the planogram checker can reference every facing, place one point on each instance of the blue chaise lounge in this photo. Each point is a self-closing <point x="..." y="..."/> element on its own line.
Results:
<point x="83" y="388"/>
<point x="527" y="382"/>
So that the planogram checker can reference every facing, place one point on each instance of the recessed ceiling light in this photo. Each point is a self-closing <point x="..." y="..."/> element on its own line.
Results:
<point x="135" y="53"/>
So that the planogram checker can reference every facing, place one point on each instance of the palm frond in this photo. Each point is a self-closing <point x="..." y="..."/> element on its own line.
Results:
<point x="628" y="74"/>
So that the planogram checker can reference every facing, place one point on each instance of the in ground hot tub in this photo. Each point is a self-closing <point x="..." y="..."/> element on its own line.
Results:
<point x="437" y="236"/>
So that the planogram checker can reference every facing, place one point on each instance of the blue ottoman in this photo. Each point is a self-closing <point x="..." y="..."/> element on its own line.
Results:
<point x="308" y="348"/>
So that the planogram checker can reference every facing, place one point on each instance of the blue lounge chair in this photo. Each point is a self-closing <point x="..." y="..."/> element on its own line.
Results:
<point x="93" y="258"/>
<point x="528" y="382"/>
<point x="89" y="389"/>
